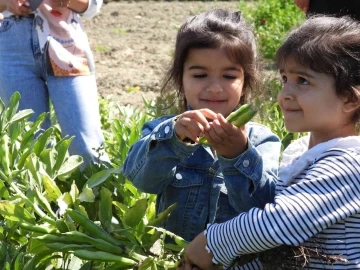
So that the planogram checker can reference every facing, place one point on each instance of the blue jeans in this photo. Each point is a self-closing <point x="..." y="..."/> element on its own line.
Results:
<point x="75" y="99"/>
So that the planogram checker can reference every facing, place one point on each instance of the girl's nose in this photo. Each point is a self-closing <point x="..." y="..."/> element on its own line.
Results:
<point x="285" y="93"/>
<point x="214" y="88"/>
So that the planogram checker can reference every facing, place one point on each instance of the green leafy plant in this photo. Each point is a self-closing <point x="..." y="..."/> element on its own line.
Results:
<point x="271" y="20"/>
<point x="54" y="216"/>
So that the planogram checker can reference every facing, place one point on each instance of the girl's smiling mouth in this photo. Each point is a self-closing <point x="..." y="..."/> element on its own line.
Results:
<point x="213" y="100"/>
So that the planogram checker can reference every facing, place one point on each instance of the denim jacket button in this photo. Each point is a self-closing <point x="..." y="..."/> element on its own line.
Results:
<point x="167" y="129"/>
<point x="214" y="185"/>
<point x="178" y="176"/>
<point x="246" y="163"/>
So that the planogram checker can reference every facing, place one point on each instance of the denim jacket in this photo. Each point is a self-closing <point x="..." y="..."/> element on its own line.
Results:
<point x="207" y="187"/>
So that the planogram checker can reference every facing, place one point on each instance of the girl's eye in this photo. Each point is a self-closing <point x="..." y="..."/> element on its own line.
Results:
<point x="283" y="79"/>
<point x="303" y="81"/>
<point x="199" y="76"/>
<point x="230" y="77"/>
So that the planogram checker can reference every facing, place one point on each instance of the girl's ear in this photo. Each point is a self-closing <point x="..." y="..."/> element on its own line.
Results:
<point x="350" y="105"/>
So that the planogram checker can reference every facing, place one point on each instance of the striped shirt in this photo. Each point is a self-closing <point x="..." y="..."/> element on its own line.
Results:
<point x="319" y="209"/>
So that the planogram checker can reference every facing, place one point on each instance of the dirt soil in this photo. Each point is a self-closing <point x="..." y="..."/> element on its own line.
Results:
<point x="133" y="43"/>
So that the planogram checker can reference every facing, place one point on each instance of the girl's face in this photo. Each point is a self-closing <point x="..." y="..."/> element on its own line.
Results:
<point x="309" y="104"/>
<point x="211" y="80"/>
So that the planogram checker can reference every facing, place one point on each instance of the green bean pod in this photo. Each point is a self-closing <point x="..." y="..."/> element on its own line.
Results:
<point x="238" y="118"/>
<point x="103" y="256"/>
<point x="90" y="226"/>
<point x="61" y="247"/>
<point x="37" y="228"/>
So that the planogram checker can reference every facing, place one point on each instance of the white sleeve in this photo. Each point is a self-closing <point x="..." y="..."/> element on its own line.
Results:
<point x="93" y="8"/>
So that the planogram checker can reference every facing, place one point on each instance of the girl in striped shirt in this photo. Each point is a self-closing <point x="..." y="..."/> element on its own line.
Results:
<point x="317" y="202"/>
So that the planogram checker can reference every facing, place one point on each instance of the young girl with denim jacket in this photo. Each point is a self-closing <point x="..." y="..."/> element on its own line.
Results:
<point x="214" y="71"/>
<point x="317" y="202"/>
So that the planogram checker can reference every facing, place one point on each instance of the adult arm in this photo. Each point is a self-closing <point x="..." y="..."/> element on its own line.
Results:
<point x="329" y="193"/>
<point x="250" y="178"/>
<point x="151" y="161"/>
<point x="87" y="8"/>
<point x="2" y="7"/>
<point x="303" y="5"/>
<point x="16" y="7"/>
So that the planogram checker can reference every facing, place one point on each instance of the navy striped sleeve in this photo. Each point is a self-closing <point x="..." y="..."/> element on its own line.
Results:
<point x="326" y="193"/>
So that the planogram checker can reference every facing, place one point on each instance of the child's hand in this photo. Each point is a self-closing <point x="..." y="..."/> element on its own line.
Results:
<point x="193" y="124"/>
<point x="227" y="139"/>
<point x="196" y="256"/>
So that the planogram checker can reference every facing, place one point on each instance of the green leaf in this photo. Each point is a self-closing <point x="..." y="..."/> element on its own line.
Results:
<point x="28" y="136"/>
<point x="64" y="202"/>
<point x="39" y="256"/>
<point x="162" y="216"/>
<point x="23" y="158"/>
<point x="134" y="214"/>
<point x="17" y="265"/>
<point x="13" y="105"/>
<point x="74" y="192"/>
<point x="44" y="203"/>
<point x="87" y="195"/>
<point x="51" y="189"/>
<point x="62" y="148"/>
<point x="4" y="193"/>
<point x="24" y="114"/>
<point x="102" y="176"/>
<point x="105" y="211"/>
<point x="33" y="166"/>
<point x="42" y="141"/>
<point x="48" y="158"/>
<point x="69" y="166"/>
<point x="2" y="106"/>
<point x="146" y="264"/>
<point x="15" y="212"/>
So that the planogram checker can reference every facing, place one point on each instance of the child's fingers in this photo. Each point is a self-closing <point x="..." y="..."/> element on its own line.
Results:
<point x="228" y="127"/>
<point x="188" y="126"/>
<point x="216" y="133"/>
<point x="208" y="114"/>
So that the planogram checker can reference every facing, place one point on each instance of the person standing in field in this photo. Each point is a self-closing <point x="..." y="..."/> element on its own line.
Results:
<point x="330" y="7"/>
<point x="214" y="71"/>
<point x="45" y="55"/>
<point x="317" y="202"/>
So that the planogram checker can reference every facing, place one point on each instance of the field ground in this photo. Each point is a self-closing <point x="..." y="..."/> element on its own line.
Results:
<point x="133" y="42"/>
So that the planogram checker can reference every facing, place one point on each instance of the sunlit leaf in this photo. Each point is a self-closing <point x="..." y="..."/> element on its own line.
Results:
<point x="15" y="212"/>
<point x="134" y="214"/>
<point x="87" y="195"/>
<point x="102" y="176"/>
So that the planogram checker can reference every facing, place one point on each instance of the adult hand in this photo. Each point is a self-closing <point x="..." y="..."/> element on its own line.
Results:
<point x="193" y="124"/>
<point x="18" y="7"/>
<point x="196" y="256"/>
<point x="228" y="140"/>
<point x="1" y="16"/>
<point x="303" y="5"/>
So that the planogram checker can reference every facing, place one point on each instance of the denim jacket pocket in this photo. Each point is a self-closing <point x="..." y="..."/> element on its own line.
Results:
<point x="6" y="24"/>
<point x="185" y="187"/>
<point x="186" y="190"/>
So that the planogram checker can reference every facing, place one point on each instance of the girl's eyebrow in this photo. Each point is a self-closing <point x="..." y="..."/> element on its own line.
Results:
<point x="226" y="69"/>
<point x="300" y="72"/>
<point x="196" y="67"/>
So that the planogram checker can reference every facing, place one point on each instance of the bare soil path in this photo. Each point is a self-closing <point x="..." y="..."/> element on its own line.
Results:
<point x="133" y="42"/>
